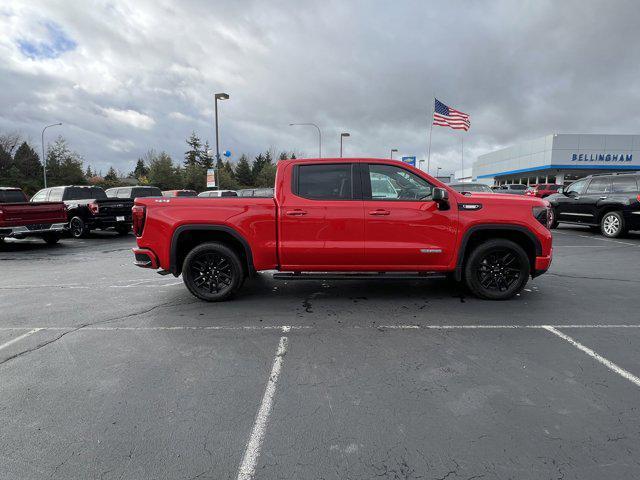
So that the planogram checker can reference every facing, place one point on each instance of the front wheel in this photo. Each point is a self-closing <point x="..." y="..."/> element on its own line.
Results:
<point x="553" y="220"/>
<point x="497" y="270"/>
<point x="612" y="225"/>
<point x="212" y="272"/>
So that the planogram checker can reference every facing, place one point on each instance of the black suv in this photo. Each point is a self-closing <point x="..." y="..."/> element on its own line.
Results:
<point x="609" y="202"/>
<point x="89" y="208"/>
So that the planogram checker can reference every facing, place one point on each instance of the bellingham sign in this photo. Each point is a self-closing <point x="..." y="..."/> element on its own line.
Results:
<point x="601" y="157"/>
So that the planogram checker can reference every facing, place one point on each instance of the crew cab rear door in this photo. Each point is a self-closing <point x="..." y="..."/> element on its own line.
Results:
<point x="404" y="229"/>
<point x="322" y="218"/>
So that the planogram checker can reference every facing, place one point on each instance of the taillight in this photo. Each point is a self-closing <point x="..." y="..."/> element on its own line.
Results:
<point x="138" y="214"/>
<point x="94" y="208"/>
<point x="638" y="197"/>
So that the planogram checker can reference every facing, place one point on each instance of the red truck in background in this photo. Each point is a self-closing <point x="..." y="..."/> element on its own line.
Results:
<point x="21" y="219"/>
<point x="347" y="218"/>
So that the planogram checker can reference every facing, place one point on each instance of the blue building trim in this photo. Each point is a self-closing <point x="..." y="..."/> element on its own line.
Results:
<point x="563" y="167"/>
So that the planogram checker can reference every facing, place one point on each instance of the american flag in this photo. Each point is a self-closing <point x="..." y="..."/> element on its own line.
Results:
<point x="444" y="116"/>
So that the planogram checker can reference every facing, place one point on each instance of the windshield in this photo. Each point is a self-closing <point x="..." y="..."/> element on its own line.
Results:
<point x="84" y="193"/>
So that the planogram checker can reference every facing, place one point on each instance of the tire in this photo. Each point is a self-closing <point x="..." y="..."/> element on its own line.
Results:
<point x="553" y="224"/>
<point x="497" y="270"/>
<point x="51" y="238"/>
<point x="77" y="228"/>
<point x="612" y="225"/>
<point x="212" y="272"/>
<point x="123" y="230"/>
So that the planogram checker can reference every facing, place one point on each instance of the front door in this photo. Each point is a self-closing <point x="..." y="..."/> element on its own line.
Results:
<point x="598" y="190"/>
<point x="322" y="219"/>
<point x="404" y="229"/>
<point x="569" y="206"/>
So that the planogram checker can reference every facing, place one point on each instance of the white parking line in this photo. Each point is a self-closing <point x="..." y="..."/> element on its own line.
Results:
<point x="309" y="327"/>
<point x="252" y="452"/>
<point x="607" y="363"/>
<point x="17" y="339"/>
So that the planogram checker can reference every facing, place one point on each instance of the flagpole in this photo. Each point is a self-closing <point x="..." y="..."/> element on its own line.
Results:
<point x="462" y="152"/>
<point x="433" y="107"/>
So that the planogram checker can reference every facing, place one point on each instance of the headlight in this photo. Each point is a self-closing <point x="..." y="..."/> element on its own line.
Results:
<point x="542" y="215"/>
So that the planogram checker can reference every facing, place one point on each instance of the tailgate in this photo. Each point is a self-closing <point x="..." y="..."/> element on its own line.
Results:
<point x="17" y="214"/>
<point x="115" y="207"/>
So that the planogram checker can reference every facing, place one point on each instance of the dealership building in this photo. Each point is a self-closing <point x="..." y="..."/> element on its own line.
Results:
<point x="558" y="158"/>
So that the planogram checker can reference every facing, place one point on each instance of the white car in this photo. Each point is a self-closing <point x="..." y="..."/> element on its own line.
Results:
<point x="218" y="193"/>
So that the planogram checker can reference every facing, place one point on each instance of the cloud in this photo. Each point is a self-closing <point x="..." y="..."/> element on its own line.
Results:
<point x="130" y="117"/>
<point x="145" y="73"/>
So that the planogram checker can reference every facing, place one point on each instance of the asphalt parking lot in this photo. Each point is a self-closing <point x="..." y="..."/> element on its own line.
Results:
<point x="113" y="372"/>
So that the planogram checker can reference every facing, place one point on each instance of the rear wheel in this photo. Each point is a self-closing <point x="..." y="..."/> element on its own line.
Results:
<point x="212" y="272"/>
<point x="78" y="228"/>
<point x="612" y="225"/>
<point x="497" y="270"/>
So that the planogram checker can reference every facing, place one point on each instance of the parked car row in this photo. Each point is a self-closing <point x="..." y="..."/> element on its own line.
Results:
<point x="79" y="209"/>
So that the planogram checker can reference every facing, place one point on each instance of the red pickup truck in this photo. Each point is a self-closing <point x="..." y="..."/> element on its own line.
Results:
<point x="21" y="219"/>
<point x="347" y="218"/>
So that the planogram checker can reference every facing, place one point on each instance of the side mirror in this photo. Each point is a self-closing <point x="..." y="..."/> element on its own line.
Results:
<point x="441" y="197"/>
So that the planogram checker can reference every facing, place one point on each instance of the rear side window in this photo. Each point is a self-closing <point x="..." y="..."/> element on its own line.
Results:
<point x="41" y="196"/>
<point x="186" y="193"/>
<point x="518" y="187"/>
<point x="599" y="185"/>
<point x="324" y="182"/>
<point x="12" y="196"/>
<point x="625" y="184"/>
<point x="228" y="194"/>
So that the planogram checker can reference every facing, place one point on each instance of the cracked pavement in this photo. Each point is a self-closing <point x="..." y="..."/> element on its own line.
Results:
<point x="131" y="378"/>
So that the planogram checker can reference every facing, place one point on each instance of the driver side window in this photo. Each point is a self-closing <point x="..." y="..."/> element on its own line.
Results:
<point x="389" y="182"/>
<point x="576" y="187"/>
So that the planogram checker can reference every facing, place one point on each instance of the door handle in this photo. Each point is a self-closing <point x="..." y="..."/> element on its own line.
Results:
<point x="298" y="212"/>
<point x="379" y="211"/>
<point x="603" y="198"/>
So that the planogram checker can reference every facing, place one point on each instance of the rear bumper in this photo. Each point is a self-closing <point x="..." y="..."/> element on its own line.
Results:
<point x="109" y="222"/>
<point x="32" y="230"/>
<point x="145" y="258"/>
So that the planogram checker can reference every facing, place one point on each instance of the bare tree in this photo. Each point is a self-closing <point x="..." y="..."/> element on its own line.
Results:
<point x="10" y="141"/>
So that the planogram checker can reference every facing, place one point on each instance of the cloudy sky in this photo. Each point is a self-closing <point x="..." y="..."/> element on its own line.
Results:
<point x="126" y="76"/>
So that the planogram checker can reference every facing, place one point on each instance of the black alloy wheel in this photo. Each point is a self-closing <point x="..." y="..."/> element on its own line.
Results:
<point x="78" y="228"/>
<point x="212" y="272"/>
<point x="497" y="270"/>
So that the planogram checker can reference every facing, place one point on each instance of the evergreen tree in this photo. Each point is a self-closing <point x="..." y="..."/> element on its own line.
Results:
<point x="64" y="166"/>
<point x="162" y="173"/>
<point x="205" y="159"/>
<point x="111" y="175"/>
<point x="267" y="176"/>
<point x="192" y="156"/>
<point x="283" y="156"/>
<point x="88" y="173"/>
<point x="28" y="162"/>
<point x="141" y="169"/>
<point x="293" y="156"/>
<point x="258" y="163"/>
<point x="195" y="178"/>
<point x="6" y="161"/>
<point x="243" y="172"/>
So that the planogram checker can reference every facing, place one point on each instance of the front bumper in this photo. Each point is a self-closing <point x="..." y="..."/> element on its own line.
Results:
<point x="542" y="265"/>
<point x="32" y="230"/>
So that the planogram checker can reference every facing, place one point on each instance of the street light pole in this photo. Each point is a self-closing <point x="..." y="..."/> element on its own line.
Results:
<point x="218" y="96"/>
<point x="342" y="135"/>
<point x="393" y="150"/>
<point x="44" y="159"/>
<point x="319" y="135"/>
<point x="438" y="171"/>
